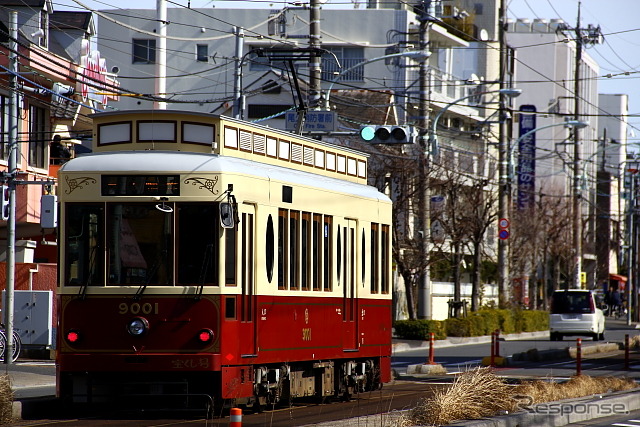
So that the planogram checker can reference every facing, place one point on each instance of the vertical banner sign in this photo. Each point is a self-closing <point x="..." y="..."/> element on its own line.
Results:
<point x="526" y="170"/>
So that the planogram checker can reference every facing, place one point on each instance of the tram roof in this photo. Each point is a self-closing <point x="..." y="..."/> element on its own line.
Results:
<point x="167" y="162"/>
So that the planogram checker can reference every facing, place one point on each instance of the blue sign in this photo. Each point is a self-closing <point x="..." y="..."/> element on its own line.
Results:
<point x="526" y="170"/>
<point x="315" y="121"/>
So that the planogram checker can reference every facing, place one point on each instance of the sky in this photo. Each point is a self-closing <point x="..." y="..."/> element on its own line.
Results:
<point x="618" y="19"/>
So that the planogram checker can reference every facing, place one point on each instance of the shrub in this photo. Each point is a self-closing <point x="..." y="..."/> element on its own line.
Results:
<point x="482" y="322"/>
<point x="419" y="329"/>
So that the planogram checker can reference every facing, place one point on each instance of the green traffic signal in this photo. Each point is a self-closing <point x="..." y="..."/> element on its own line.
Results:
<point x="368" y="133"/>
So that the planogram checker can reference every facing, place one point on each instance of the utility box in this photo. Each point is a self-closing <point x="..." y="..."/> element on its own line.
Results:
<point x="49" y="211"/>
<point x="32" y="317"/>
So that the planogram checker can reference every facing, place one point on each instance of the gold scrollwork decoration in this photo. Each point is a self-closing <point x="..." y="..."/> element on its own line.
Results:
<point x="80" y="183"/>
<point x="206" y="183"/>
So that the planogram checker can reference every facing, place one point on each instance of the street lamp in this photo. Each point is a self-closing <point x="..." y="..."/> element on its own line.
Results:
<point x="577" y="124"/>
<point x="433" y="135"/>
<point x="433" y="144"/>
<point x="417" y="55"/>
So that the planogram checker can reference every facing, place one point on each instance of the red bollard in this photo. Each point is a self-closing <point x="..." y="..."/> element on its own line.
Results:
<point x="235" y="417"/>
<point x="497" y="342"/>
<point x="626" y="351"/>
<point x="432" y="341"/>
<point x="578" y="356"/>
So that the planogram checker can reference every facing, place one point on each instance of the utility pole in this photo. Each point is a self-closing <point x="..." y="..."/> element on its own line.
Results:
<point x="11" y="184"/>
<point x="161" y="78"/>
<point x="504" y="190"/>
<point x="424" y="286"/>
<point x="238" y="99"/>
<point x="591" y="35"/>
<point x="315" y="68"/>
<point x="577" y="170"/>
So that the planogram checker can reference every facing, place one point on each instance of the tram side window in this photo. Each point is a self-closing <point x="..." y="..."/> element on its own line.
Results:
<point x="384" y="259"/>
<point x="197" y="243"/>
<point x="294" y="219"/>
<point x="84" y="244"/>
<point x="139" y="244"/>
<point x="230" y="237"/>
<point x="375" y="259"/>
<point x="305" y="244"/>
<point x="316" y="255"/>
<point x="327" y="254"/>
<point x="282" y="250"/>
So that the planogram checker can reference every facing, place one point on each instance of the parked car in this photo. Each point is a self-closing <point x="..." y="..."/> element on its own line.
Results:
<point x="574" y="312"/>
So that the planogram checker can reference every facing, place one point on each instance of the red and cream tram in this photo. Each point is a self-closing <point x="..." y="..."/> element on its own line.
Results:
<point x="206" y="257"/>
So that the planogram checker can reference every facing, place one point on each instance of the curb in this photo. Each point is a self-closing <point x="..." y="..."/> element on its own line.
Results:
<point x="550" y="414"/>
<point x="407" y="345"/>
<point x="564" y="412"/>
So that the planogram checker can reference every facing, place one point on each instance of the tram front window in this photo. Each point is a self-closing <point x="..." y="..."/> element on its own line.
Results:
<point x="83" y="261"/>
<point x="139" y="244"/>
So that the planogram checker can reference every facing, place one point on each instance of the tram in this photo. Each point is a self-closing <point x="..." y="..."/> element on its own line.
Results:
<point x="207" y="259"/>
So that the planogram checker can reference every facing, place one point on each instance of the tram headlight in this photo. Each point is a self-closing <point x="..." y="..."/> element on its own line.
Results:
<point x="205" y="335"/>
<point x="138" y="326"/>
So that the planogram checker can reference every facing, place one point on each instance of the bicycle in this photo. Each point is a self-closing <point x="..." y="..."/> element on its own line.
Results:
<point x="17" y="345"/>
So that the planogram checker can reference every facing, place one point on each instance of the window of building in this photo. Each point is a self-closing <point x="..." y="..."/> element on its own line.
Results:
<point x="260" y="111"/>
<point x="202" y="53"/>
<point x="144" y="51"/>
<point x="348" y="57"/>
<point x="38" y="140"/>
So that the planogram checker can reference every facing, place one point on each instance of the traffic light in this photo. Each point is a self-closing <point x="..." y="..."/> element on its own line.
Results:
<point x="383" y="134"/>
<point x="4" y="202"/>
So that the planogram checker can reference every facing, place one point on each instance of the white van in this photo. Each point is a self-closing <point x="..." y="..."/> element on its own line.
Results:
<point x="574" y="312"/>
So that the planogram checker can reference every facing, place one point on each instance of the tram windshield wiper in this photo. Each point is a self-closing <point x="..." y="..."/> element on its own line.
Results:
<point x="82" y="293"/>
<point x="206" y="261"/>
<point x="149" y="276"/>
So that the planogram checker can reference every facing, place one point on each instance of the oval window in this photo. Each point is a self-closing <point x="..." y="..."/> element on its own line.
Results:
<point x="270" y="253"/>
<point x="339" y="255"/>
<point x="364" y="258"/>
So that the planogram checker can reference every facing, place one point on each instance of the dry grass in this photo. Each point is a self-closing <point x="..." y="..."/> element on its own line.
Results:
<point x="480" y="393"/>
<point x="545" y="391"/>
<point x="6" y="400"/>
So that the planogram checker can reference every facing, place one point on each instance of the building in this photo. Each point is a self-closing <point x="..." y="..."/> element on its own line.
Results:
<point x="59" y="81"/>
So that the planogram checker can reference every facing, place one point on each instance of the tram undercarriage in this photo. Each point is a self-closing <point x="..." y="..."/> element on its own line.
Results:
<point x="273" y="385"/>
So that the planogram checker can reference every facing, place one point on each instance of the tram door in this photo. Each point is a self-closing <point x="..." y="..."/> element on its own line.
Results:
<point x="348" y="280"/>
<point x="247" y="280"/>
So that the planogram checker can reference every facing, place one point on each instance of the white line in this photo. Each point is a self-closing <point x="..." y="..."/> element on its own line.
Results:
<point x="624" y="425"/>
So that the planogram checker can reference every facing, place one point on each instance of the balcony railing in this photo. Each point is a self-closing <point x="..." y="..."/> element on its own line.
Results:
<point x="330" y="69"/>
<point x="440" y="82"/>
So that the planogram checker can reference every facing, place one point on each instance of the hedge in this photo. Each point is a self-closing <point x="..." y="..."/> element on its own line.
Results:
<point x="482" y="322"/>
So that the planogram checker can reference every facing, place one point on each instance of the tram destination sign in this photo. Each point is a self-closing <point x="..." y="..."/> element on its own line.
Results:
<point x="315" y="121"/>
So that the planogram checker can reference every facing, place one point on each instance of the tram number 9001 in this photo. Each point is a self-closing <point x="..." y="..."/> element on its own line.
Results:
<point x="137" y="308"/>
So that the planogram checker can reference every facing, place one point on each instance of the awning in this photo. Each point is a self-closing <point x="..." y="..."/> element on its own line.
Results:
<point x="618" y="277"/>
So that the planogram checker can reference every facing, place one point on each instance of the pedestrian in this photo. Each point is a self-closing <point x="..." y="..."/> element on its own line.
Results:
<point x="58" y="152"/>
<point x="615" y="301"/>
